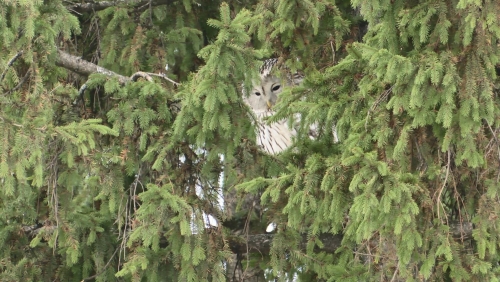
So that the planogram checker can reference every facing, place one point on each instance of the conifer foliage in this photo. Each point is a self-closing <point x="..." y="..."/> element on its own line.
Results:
<point x="127" y="153"/>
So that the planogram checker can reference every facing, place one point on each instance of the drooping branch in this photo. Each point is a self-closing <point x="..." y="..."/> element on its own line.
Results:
<point x="101" y="5"/>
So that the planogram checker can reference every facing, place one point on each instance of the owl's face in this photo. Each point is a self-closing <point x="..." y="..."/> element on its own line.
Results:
<point x="264" y="95"/>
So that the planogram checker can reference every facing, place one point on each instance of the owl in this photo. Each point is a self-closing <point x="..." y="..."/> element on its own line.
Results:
<point x="274" y="137"/>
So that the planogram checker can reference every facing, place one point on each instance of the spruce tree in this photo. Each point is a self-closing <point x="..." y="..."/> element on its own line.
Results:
<point x="127" y="152"/>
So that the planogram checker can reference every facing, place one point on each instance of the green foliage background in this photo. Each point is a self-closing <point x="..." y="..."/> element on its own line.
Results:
<point x="115" y="184"/>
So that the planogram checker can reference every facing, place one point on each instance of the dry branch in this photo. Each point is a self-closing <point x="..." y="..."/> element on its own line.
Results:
<point x="86" y="68"/>
<point x="80" y="66"/>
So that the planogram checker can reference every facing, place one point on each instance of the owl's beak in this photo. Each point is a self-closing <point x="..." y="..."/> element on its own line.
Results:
<point x="269" y="105"/>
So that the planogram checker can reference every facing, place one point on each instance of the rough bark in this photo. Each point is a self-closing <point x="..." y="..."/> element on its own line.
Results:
<point x="82" y="67"/>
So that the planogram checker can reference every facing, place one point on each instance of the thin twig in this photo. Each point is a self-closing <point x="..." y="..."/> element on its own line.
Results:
<point x="23" y="80"/>
<point x="70" y="8"/>
<point x="133" y="191"/>
<point x="162" y="75"/>
<point x="246" y="230"/>
<point x="395" y="272"/>
<point x="333" y="52"/>
<point x="81" y="91"/>
<point x="495" y="137"/>
<point x="104" y="268"/>
<point x="438" y="200"/>
<point x="10" y="63"/>
<point x="368" y="255"/>
<point x="492" y="132"/>
<point x="54" y="199"/>
<point x="11" y="122"/>
<point x="147" y="76"/>
<point x="375" y="105"/>
<point x="422" y="162"/>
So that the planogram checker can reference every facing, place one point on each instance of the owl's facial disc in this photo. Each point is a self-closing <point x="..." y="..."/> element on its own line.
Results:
<point x="264" y="94"/>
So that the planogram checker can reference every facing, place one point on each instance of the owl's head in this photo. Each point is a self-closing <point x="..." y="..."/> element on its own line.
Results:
<point x="264" y="94"/>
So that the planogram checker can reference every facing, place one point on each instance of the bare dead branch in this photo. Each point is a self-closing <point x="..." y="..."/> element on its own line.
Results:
<point x="80" y="66"/>
<point x="86" y="68"/>
<point x="164" y="76"/>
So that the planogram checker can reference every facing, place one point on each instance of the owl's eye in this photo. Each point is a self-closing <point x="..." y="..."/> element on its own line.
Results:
<point x="276" y="87"/>
<point x="257" y="93"/>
